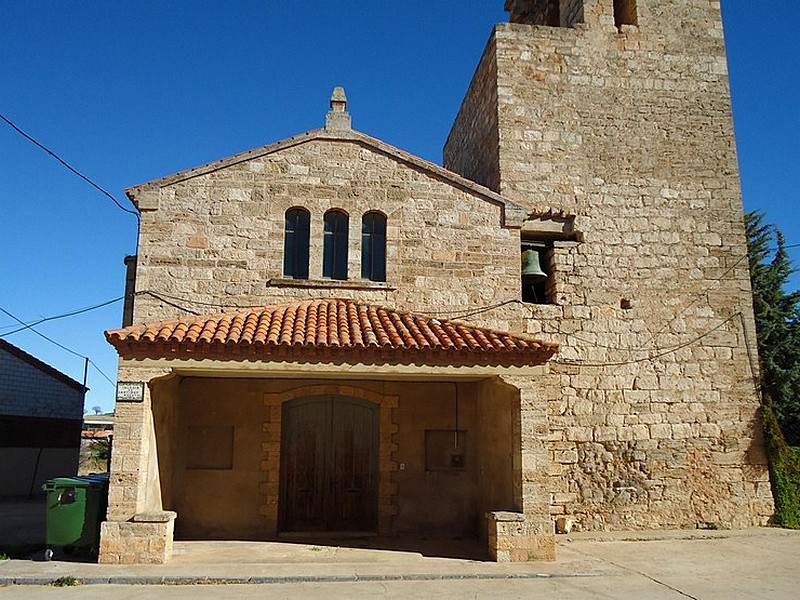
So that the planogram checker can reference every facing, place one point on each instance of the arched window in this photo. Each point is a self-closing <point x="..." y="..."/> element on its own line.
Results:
<point x="334" y="251"/>
<point x="373" y="246"/>
<point x="295" y="243"/>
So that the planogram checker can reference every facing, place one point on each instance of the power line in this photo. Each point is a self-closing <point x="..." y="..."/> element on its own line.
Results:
<point x="63" y="347"/>
<point x="178" y="306"/>
<point x="61" y="316"/>
<point x="659" y="351"/>
<point x="31" y="139"/>
<point x="99" y="370"/>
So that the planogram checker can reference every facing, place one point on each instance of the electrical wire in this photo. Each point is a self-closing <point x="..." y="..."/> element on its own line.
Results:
<point x="660" y="352"/>
<point x="172" y="304"/>
<point x="63" y="347"/>
<point x="31" y="139"/>
<point x="61" y="316"/>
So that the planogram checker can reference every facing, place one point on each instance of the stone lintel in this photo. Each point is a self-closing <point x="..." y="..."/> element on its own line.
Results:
<point x="551" y="227"/>
<point x="506" y="516"/>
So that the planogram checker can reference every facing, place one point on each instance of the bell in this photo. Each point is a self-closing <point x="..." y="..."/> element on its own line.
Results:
<point x="531" y="271"/>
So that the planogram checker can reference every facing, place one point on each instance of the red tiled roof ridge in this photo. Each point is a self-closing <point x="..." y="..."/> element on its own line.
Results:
<point x="328" y="324"/>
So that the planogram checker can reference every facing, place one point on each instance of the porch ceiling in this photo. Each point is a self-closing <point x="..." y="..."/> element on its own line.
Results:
<point x="329" y="330"/>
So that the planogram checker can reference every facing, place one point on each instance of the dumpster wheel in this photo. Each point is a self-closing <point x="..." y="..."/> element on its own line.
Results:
<point x="48" y="554"/>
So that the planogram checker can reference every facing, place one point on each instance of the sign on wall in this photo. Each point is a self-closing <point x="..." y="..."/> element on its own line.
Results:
<point x="130" y="391"/>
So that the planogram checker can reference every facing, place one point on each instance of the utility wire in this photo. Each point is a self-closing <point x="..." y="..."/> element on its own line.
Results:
<point x="172" y="304"/>
<point x="62" y="316"/>
<point x="661" y="352"/>
<point x="221" y="305"/>
<point x="52" y="341"/>
<point x="31" y="139"/>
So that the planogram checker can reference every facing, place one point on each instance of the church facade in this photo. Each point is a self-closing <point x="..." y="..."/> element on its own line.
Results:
<point x="332" y="337"/>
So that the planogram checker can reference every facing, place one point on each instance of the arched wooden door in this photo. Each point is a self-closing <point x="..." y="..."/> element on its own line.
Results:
<point x="329" y="465"/>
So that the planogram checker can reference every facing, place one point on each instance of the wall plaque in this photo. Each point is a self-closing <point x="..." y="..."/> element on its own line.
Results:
<point x="130" y="391"/>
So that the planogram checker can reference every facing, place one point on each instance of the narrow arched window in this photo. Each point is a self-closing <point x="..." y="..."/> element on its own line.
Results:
<point x="373" y="246"/>
<point x="334" y="251"/>
<point x="295" y="243"/>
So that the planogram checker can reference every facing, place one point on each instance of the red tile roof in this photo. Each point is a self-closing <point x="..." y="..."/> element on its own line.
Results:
<point x="329" y="328"/>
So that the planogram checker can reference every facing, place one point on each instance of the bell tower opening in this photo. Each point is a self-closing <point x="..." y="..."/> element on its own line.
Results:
<point x="537" y="284"/>
<point x="534" y="12"/>
<point x="552" y="13"/>
<point x="625" y="13"/>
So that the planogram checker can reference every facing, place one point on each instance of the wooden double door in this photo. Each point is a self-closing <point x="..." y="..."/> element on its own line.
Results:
<point x="329" y="465"/>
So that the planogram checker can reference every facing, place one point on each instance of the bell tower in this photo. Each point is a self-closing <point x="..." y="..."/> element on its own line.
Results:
<point x="618" y="113"/>
<point x="572" y="91"/>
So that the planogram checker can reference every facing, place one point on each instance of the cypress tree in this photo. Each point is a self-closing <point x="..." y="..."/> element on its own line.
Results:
<point x="777" y="315"/>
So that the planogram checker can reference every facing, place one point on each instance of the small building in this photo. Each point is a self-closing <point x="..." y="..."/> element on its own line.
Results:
<point x="96" y="440"/>
<point x="331" y="336"/>
<point x="41" y="412"/>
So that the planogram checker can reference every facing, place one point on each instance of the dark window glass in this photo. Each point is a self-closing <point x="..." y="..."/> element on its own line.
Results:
<point x="334" y="252"/>
<point x="295" y="243"/>
<point x="373" y="247"/>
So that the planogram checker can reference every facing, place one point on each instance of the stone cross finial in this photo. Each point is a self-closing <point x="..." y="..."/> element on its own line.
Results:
<point x="338" y="119"/>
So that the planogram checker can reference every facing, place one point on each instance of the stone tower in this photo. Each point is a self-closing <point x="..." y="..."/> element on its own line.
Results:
<point x="617" y="114"/>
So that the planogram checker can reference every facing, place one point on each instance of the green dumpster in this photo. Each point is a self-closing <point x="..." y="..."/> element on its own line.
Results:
<point x="75" y="508"/>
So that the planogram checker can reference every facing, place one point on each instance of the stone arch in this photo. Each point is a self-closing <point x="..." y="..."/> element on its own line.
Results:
<point x="271" y="447"/>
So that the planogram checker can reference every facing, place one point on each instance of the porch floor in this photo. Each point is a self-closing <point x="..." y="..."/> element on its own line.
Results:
<point x="341" y="550"/>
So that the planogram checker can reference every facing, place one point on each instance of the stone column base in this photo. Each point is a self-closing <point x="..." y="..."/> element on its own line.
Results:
<point x="513" y="539"/>
<point x="147" y="539"/>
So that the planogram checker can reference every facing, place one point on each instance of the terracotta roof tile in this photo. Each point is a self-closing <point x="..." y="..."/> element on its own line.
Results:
<point x="329" y="327"/>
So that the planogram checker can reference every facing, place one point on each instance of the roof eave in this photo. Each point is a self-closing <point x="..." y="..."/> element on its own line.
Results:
<point x="375" y="355"/>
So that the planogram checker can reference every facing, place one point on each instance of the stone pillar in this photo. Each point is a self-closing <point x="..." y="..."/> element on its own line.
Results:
<point x="514" y="538"/>
<point x="136" y="529"/>
<point x="146" y="539"/>
<point x="528" y="535"/>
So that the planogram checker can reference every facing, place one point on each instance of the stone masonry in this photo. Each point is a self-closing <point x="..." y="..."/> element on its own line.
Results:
<point x="630" y="129"/>
<point x="601" y="131"/>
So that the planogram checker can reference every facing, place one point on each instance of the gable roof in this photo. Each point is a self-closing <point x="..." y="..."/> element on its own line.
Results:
<point x="41" y="366"/>
<point x="330" y="329"/>
<point x="515" y="212"/>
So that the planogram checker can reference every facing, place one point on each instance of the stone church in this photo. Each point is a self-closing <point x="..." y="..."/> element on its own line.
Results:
<point x="328" y="336"/>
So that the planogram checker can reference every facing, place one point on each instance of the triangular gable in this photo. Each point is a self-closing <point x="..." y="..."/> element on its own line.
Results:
<point x="514" y="212"/>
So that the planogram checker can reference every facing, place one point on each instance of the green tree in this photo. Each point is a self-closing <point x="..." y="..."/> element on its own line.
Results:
<point x="777" y="314"/>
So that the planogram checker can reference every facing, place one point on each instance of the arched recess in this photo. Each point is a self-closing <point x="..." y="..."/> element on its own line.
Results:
<point x="373" y="246"/>
<point x="387" y="446"/>
<point x="335" y="244"/>
<point x="296" y="233"/>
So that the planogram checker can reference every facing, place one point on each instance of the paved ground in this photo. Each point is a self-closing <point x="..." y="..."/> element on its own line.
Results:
<point x="758" y="563"/>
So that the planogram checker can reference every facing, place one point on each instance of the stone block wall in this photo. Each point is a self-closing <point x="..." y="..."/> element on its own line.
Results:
<point x="216" y="240"/>
<point x="631" y="130"/>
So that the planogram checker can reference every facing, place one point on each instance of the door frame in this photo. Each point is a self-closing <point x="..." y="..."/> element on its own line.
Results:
<point x="327" y="410"/>
<point x="387" y="447"/>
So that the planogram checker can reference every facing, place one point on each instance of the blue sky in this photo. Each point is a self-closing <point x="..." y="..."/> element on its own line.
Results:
<point x="128" y="92"/>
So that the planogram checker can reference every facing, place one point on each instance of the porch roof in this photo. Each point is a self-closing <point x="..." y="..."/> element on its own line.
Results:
<point x="329" y="329"/>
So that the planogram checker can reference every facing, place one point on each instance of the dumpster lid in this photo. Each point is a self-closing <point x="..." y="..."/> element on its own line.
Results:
<point x="82" y="481"/>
